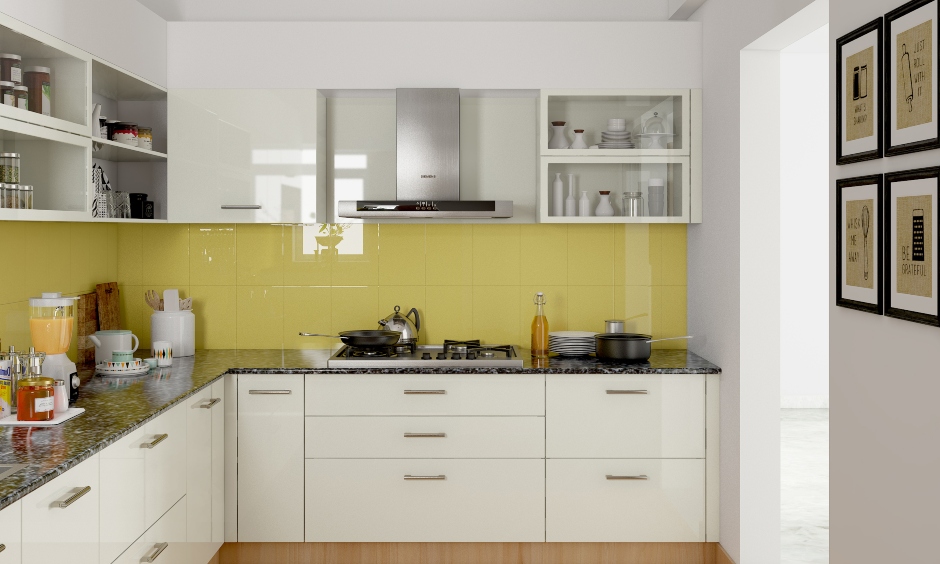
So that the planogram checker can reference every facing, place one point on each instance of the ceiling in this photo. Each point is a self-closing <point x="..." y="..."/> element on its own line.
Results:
<point x="412" y="10"/>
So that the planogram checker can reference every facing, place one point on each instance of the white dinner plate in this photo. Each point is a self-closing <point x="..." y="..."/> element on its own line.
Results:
<point x="581" y="334"/>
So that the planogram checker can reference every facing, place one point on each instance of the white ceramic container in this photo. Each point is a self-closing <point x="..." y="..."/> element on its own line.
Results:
<point x="177" y="327"/>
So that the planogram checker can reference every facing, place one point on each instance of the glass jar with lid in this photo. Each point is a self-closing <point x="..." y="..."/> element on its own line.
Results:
<point x="22" y="97"/>
<point x="10" y="168"/>
<point x="145" y="138"/>
<point x="125" y="132"/>
<point x="26" y="197"/>
<point x="11" y="68"/>
<point x="632" y="204"/>
<point x="7" y="96"/>
<point x="39" y="81"/>
<point x="35" y="399"/>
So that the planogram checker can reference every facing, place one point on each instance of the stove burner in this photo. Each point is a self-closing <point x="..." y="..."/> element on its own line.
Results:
<point x="368" y="352"/>
<point x="460" y="346"/>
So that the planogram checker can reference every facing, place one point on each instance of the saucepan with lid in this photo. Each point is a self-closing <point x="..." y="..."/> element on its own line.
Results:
<point x="362" y="338"/>
<point x="629" y="347"/>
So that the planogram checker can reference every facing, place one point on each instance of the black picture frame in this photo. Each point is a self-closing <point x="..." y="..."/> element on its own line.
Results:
<point x="891" y="148"/>
<point x="874" y="26"/>
<point x="932" y="319"/>
<point x="841" y="187"/>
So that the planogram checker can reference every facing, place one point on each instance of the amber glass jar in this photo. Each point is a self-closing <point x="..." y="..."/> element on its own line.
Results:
<point x="35" y="399"/>
<point x="7" y="96"/>
<point x="22" y="97"/>
<point x="39" y="82"/>
<point x="11" y="68"/>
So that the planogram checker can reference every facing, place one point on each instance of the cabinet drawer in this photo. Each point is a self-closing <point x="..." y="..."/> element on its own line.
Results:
<point x="625" y="416"/>
<point x="584" y="505"/>
<point x="476" y="501"/>
<point x="425" y="437"/>
<point x="164" y="446"/>
<point x="165" y="539"/>
<point x="425" y="394"/>
<point x="52" y="533"/>
<point x="10" y="534"/>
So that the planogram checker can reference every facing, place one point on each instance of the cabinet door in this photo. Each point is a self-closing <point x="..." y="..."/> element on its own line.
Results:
<point x="164" y="445"/>
<point x="11" y="529"/>
<point x="270" y="458"/>
<point x="60" y="518"/>
<point x="199" y="467"/>
<point x="122" y="477"/>
<point x="218" y="463"/>
<point x="164" y="542"/>
<point x="247" y="156"/>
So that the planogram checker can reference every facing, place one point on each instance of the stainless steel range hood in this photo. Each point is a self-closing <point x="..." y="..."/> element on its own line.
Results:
<point x="428" y="142"/>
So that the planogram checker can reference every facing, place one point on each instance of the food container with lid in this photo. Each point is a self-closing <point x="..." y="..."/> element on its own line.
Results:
<point x="125" y="132"/>
<point x="22" y="97"/>
<point x="110" y="124"/>
<point x="11" y="68"/>
<point x="103" y="127"/>
<point x="39" y="81"/>
<point x="61" y="393"/>
<point x="145" y="138"/>
<point x="25" y="197"/>
<point x="35" y="399"/>
<point x="9" y="195"/>
<point x="7" y="96"/>
<point x="10" y="168"/>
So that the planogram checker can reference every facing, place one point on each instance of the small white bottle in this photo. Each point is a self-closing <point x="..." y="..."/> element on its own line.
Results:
<point x="571" y="206"/>
<point x="584" y="205"/>
<point x="558" y="196"/>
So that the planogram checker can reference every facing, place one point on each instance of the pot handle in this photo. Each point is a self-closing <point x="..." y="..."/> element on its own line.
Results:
<point x="669" y="339"/>
<point x="417" y="318"/>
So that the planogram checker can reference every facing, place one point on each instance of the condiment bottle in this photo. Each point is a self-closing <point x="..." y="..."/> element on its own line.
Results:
<point x="35" y="398"/>
<point x="539" y="329"/>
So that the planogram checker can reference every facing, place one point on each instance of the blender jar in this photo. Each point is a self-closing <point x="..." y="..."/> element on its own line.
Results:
<point x="51" y="319"/>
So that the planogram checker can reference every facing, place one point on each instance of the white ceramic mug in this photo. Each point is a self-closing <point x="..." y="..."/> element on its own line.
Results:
<point x="106" y="342"/>
<point x="163" y="352"/>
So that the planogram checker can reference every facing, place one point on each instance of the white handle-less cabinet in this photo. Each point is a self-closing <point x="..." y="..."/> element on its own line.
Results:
<point x="60" y="518"/>
<point x="247" y="156"/>
<point x="205" y="472"/>
<point x="11" y="530"/>
<point x="270" y="458"/>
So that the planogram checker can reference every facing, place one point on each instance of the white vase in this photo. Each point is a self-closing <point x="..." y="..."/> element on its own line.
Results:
<point x="584" y="205"/>
<point x="578" y="142"/>
<point x="559" y="140"/>
<point x="558" y="195"/>
<point x="604" y="208"/>
<point x="571" y="205"/>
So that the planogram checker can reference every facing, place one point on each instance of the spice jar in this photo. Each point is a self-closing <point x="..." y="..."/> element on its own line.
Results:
<point x="39" y="82"/>
<point x="125" y="132"/>
<point x="35" y="399"/>
<point x="10" y="68"/>
<point x="9" y="195"/>
<point x="10" y="168"/>
<point x="145" y="138"/>
<point x="6" y="93"/>
<point x="22" y="97"/>
<point x="26" y="197"/>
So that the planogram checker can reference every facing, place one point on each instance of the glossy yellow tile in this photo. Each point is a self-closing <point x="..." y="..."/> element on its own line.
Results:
<point x="589" y="307"/>
<point x="212" y="254"/>
<point x="496" y="255"/>
<point x="406" y="297"/>
<point x="52" y="271"/>
<point x="449" y="313"/>
<point x="634" y="304"/>
<point x="354" y="308"/>
<point x="215" y="308"/>
<point x="590" y="255"/>
<point x="308" y="310"/>
<point x="673" y="254"/>
<point x="556" y="310"/>
<point x="260" y="317"/>
<point x="656" y="254"/>
<point x="674" y="305"/>
<point x="620" y="254"/>
<point x="134" y="312"/>
<point x="496" y="313"/>
<point x="658" y="317"/>
<point x="166" y="255"/>
<point x="14" y="325"/>
<point x="130" y="254"/>
<point x="544" y="254"/>
<point x="638" y="270"/>
<point x="401" y="255"/>
<point x="303" y="263"/>
<point x="14" y="288"/>
<point x="357" y="262"/>
<point x="89" y="254"/>
<point x="259" y="255"/>
<point x="448" y="255"/>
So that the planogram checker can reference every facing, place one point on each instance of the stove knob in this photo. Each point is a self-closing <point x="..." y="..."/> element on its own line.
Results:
<point x="471" y="355"/>
<point x="426" y="356"/>
<point x="455" y="356"/>
<point x="441" y="356"/>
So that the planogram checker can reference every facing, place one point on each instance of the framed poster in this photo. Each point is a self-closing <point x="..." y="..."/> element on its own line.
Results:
<point x="859" y="243"/>
<point x="911" y="245"/>
<point x="911" y="55"/>
<point x="859" y="126"/>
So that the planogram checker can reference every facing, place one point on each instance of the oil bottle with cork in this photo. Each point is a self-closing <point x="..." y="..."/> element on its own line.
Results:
<point x="539" y="328"/>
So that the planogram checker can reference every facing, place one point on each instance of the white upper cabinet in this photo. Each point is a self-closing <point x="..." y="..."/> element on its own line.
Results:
<point x="246" y="156"/>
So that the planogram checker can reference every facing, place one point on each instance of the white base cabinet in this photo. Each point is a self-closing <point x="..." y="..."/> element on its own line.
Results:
<point x="205" y="471"/>
<point x="164" y="542"/>
<point x="425" y="500"/>
<point x="11" y="531"/>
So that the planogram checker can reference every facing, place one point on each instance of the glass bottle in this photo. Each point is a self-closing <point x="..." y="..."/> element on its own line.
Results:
<point x="539" y="329"/>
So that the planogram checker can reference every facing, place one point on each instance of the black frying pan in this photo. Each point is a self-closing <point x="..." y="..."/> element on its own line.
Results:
<point x="369" y="338"/>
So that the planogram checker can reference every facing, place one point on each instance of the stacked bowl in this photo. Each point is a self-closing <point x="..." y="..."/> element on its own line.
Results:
<point x="616" y="136"/>
<point x="571" y="343"/>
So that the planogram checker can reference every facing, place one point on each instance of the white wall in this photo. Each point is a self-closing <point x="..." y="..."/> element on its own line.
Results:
<point x="122" y="32"/>
<point x="804" y="176"/>
<point x="479" y="55"/>
<point x="884" y="459"/>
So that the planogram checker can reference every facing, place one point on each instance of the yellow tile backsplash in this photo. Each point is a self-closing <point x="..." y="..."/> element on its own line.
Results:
<point x="258" y="286"/>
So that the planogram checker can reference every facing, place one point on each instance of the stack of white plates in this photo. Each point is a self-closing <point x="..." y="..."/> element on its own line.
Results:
<point x="616" y="140"/>
<point x="571" y="343"/>
<point x="130" y="368"/>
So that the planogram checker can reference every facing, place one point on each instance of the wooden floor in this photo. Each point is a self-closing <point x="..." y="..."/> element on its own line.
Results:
<point x="470" y="553"/>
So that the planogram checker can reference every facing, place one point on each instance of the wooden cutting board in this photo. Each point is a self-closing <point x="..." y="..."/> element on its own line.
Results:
<point x="87" y="321"/>
<point x="109" y="306"/>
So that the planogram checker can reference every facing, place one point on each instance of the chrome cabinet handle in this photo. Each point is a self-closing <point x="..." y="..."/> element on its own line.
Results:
<point x="438" y="477"/>
<point x="269" y="392"/>
<point x="157" y="551"/>
<point x="74" y="497"/>
<point x="424" y="435"/>
<point x="241" y="206"/>
<point x="211" y="402"/>
<point x="630" y="392"/>
<point x="3" y="547"/>
<point x="157" y="440"/>
<point x="640" y="477"/>
<point x="410" y="392"/>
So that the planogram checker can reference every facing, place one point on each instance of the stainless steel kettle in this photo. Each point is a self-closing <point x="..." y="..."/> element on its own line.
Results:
<point x="401" y="323"/>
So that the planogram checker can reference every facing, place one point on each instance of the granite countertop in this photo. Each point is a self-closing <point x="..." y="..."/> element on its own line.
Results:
<point x="116" y="406"/>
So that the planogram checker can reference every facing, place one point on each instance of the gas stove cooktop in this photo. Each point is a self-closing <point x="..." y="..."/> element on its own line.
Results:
<point x="451" y="354"/>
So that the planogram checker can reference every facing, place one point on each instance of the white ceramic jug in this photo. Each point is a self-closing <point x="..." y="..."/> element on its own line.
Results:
<point x="106" y="342"/>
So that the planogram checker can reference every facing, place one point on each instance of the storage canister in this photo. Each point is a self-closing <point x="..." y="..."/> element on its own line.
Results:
<point x="110" y="124"/>
<point x="145" y="138"/>
<point x="6" y="93"/>
<point x="103" y="126"/>
<point x="22" y="97"/>
<point x="39" y="82"/>
<point x="11" y="68"/>
<point x="125" y="132"/>
<point x="9" y="195"/>
<point x="35" y="399"/>
<point x="26" y="197"/>
<point x="10" y="168"/>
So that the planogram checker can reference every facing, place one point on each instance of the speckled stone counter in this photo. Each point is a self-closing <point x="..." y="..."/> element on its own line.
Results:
<point x="116" y="406"/>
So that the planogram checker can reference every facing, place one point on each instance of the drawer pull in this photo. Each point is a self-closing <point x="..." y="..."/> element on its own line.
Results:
<point x="424" y="392"/>
<point x="438" y="477"/>
<point x="210" y="403"/>
<point x="157" y="440"/>
<point x="269" y="392"/>
<point x="424" y="435"/>
<point x="640" y="477"/>
<point x="241" y="206"/>
<point x="157" y="551"/>
<point x="74" y="497"/>
<point x="3" y="547"/>
<point x="627" y="392"/>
